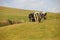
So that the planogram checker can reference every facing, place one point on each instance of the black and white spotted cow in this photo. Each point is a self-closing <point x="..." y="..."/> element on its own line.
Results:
<point x="31" y="17"/>
<point x="37" y="16"/>
<point x="43" y="15"/>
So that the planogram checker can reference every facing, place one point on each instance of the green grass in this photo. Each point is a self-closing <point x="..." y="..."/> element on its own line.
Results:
<point x="46" y="30"/>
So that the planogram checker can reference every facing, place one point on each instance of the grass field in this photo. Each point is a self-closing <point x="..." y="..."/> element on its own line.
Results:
<point x="46" y="30"/>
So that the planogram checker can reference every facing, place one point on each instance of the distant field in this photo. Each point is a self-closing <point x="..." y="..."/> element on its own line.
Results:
<point x="46" y="30"/>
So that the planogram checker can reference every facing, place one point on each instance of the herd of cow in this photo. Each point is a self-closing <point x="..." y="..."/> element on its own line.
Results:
<point x="37" y="16"/>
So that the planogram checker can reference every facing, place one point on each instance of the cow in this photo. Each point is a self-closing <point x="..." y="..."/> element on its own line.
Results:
<point x="31" y="17"/>
<point x="37" y="16"/>
<point x="43" y="15"/>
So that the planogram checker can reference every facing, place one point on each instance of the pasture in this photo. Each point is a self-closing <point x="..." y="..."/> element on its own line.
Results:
<point x="46" y="30"/>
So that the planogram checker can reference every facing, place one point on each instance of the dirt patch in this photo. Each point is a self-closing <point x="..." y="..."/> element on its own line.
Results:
<point x="10" y="22"/>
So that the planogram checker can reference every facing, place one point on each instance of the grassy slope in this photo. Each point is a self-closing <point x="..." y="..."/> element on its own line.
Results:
<point x="46" y="30"/>
<point x="11" y="13"/>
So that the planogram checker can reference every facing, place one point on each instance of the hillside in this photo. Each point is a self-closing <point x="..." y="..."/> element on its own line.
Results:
<point x="12" y="13"/>
<point x="46" y="30"/>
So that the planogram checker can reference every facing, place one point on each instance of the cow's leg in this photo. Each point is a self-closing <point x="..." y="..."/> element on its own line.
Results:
<point x="39" y="20"/>
<point x="33" y="20"/>
<point x="36" y="18"/>
<point x="44" y="17"/>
